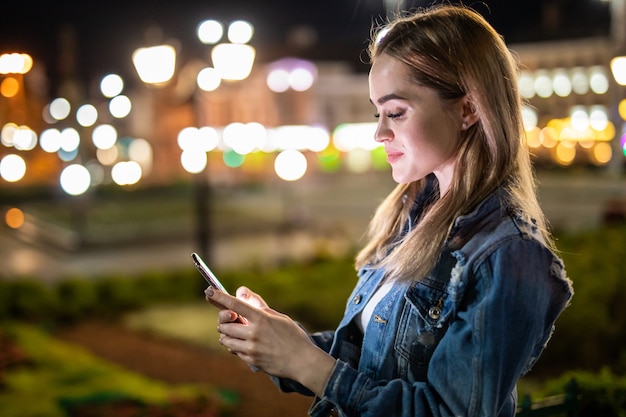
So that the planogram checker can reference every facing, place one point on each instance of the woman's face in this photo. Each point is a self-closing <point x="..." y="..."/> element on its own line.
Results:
<point x="419" y="131"/>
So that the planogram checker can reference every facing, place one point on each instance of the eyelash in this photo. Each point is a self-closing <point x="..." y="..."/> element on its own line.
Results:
<point x="389" y="115"/>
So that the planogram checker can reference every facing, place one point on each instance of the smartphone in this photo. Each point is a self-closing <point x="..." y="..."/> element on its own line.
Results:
<point x="207" y="273"/>
<point x="210" y="277"/>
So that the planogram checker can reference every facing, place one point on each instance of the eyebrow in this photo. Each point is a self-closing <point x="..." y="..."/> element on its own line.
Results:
<point x="388" y="97"/>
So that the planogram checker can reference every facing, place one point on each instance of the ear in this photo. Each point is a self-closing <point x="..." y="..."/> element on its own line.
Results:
<point x="470" y="116"/>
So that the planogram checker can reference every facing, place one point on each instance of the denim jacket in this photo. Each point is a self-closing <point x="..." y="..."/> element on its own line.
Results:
<point x="455" y="342"/>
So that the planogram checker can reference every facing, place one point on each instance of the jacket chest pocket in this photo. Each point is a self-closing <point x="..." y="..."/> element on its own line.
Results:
<point x="423" y="321"/>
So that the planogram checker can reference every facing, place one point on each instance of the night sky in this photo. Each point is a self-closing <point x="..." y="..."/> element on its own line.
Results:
<point x="106" y="32"/>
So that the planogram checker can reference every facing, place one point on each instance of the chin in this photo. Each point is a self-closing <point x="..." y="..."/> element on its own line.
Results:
<point x="400" y="179"/>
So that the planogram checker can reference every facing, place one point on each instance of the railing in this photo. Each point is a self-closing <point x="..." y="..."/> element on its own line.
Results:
<point x="565" y="405"/>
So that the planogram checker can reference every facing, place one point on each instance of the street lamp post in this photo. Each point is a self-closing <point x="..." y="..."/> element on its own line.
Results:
<point x="232" y="61"/>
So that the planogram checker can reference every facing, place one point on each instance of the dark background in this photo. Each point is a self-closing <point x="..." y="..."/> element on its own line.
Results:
<point x="106" y="32"/>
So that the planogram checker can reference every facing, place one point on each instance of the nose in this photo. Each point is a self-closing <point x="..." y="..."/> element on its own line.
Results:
<point x="383" y="133"/>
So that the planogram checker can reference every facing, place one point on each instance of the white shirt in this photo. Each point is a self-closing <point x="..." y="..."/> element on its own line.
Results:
<point x="366" y="313"/>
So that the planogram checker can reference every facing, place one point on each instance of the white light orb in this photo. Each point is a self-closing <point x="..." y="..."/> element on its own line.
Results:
<point x="210" y="31"/>
<point x="24" y="139"/>
<point x="12" y="168"/>
<point x="50" y="140"/>
<point x="208" y="79"/>
<point x="598" y="80"/>
<point x="240" y="32"/>
<point x="8" y="133"/>
<point x="75" y="179"/>
<point x="111" y="85"/>
<point x="86" y="115"/>
<point x="193" y="162"/>
<point x="120" y="106"/>
<point x="301" y="79"/>
<point x="126" y="173"/>
<point x="104" y="136"/>
<point x="70" y="139"/>
<point x="278" y="80"/>
<point x="290" y="165"/>
<point x="60" y="108"/>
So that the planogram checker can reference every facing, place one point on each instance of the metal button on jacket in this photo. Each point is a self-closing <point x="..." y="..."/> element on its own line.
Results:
<point x="434" y="312"/>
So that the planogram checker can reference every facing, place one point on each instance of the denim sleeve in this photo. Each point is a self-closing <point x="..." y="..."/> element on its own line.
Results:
<point x="512" y="299"/>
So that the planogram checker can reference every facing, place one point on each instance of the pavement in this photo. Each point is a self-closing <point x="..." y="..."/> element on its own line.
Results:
<point x="306" y="218"/>
<point x="323" y="216"/>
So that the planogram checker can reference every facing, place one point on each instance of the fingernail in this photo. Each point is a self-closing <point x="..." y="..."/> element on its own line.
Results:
<point x="209" y="292"/>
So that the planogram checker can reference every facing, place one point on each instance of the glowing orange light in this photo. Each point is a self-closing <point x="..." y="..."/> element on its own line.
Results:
<point x="14" y="218"/>
<point x="565" y="154"/>
<point x="602" y="153"/>
<point x="9" y="87"/>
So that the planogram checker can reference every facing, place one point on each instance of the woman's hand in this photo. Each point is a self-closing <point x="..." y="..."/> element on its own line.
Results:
<point x="270" y="340"/>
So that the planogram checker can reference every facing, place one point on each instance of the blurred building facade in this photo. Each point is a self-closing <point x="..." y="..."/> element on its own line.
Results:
<point x="571" y="114"/>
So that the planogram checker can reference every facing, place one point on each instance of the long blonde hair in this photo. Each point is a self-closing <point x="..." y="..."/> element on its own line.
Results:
<point x="455" y="51"/>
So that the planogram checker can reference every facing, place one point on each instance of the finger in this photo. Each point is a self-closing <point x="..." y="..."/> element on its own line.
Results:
<point x="227" y="316"/>
<point x="230" y="303"/>
<point x="252" y="298"/>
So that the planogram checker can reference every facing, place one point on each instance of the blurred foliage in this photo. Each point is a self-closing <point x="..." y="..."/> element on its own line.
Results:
<point x="600" y="393"/>
<point x="313" y="292"/>
<point x="591" y="332"/>
<point x="590" y="335"/>
<point x="57" y="379"/>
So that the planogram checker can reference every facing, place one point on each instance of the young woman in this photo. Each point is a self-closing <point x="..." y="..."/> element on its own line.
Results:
<point x="459" y="286"/>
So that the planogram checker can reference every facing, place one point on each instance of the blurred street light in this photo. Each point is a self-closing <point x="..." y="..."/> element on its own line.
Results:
<point x="231" y="61"/>
<point x="156" y="64"/>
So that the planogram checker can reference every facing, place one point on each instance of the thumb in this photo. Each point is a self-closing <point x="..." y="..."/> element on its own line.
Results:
<point x="228" y="302"/>
<point x="250" y="297"/>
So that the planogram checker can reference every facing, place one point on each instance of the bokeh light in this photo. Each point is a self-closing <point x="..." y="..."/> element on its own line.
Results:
<point x="50" y="140"/>
<point x="60" y="108"/>
<point x="120" y="106"/>
<point x="290" y="165"/>
<point x="210" y="31"/>
<point x="75" y="179"/>
<point x="193" y="161"/>
<point x="24" y="138"/>
<point x="12" y="168"/>
<point x="15" y="63"/>
<point x="233" y="159"/>
<point x="126" y="173"/>
<point x="240" y="32"/>
<point x="355" y="135"/>
<point x="9" y="87"/>
<point x="104" y="136"/>
<point x="86" y="115"/>
<point x="111" y="85"/>
<point x="208" y="79"/>
<point x="14" y="218"/>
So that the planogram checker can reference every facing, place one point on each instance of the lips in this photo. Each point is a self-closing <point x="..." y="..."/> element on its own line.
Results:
<point x="393" y="156"/>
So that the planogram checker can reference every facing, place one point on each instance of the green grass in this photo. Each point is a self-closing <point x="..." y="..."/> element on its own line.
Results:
<point x="60" y="373"/>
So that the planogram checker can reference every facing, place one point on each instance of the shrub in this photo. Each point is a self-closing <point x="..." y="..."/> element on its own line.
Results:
<point x="30" y="299"/>
<point x="600" y="394"/>
<point x="115" y="295"/>
<point x="591" y="332"/>
<point x="77" y="299"/>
